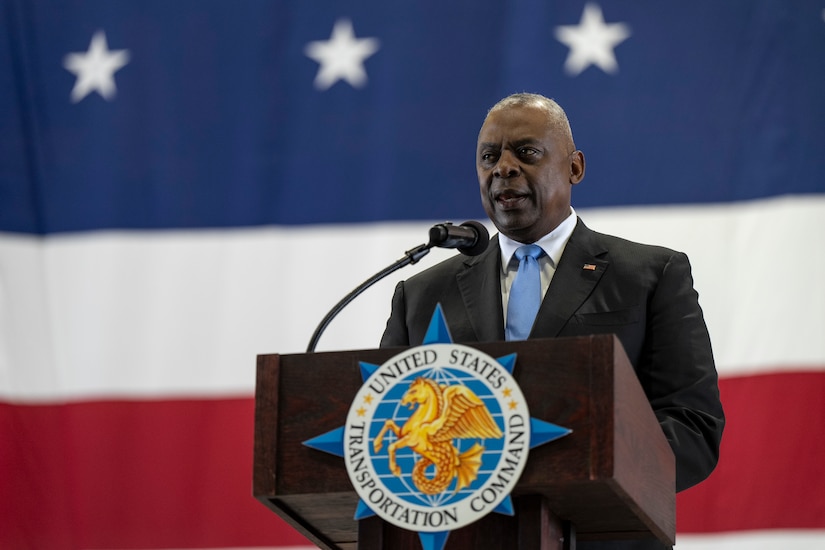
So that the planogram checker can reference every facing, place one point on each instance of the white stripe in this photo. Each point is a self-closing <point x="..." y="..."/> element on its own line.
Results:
<point x="185" y="313"/>
<point x="753" y="540"/>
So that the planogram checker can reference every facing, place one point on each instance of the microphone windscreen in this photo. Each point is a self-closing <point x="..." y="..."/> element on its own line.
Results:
<point x="482" y="241"/>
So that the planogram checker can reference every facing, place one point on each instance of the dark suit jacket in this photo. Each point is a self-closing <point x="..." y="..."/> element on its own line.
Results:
<point x="643" y="294"/>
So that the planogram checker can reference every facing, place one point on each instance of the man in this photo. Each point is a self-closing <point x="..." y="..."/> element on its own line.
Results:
<point x="592" y="283"/>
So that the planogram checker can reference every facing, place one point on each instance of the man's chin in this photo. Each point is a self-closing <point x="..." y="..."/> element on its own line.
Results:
<point x="513" y="228"/>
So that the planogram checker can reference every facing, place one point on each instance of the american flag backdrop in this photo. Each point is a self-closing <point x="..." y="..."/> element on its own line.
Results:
<point x="186" y="184"/>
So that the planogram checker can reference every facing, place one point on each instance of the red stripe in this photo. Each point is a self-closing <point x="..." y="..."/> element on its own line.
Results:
<point x="177" y="474"/>
<point x="770" y="473"/>
<point x="117" y="474"/>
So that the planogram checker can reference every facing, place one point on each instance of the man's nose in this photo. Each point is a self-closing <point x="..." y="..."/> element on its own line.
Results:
<point x="507" y="166"/>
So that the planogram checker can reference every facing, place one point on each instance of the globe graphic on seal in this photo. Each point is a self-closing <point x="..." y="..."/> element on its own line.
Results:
<point x="390" y="408"/>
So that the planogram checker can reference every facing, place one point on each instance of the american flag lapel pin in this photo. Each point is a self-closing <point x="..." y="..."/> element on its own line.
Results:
<point x="589" y="267"/>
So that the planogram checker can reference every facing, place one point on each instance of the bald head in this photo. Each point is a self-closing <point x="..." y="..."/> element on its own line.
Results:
<point x="556" y="117"/>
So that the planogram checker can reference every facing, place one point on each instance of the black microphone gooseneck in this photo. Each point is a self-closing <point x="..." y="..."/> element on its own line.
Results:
<point x="470" y="238"/>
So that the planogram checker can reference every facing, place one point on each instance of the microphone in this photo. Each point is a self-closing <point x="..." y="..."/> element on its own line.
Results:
<point x="470" y="238"/>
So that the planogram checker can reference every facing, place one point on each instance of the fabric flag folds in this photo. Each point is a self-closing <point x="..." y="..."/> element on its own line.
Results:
<point x="164" y="166"/>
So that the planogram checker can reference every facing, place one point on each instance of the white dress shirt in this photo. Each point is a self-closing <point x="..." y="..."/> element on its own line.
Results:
<point x="553" y="245"/>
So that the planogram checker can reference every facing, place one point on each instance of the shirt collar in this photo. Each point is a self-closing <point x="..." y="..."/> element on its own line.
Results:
<point x="553" y="243"/>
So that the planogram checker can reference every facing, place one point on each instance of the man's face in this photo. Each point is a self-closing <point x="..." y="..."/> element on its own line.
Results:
<point x="525" y="172"/>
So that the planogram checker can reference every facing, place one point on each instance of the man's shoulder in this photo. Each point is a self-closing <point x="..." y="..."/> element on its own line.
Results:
<point x="621" y="247"/>
<point x="439" y="271"/>
<point x="445" y="271"/>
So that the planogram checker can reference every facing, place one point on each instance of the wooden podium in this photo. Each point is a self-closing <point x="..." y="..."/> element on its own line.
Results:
<point x="613" y="477"/>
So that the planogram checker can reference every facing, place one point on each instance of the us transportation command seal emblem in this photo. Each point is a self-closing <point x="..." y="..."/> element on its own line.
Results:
<point x="437" y="437"/>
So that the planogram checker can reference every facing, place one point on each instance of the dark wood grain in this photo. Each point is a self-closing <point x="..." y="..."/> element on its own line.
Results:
<point x="613" y="477"/>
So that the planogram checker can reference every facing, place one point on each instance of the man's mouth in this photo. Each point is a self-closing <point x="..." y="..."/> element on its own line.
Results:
<point x="510" y="199"/>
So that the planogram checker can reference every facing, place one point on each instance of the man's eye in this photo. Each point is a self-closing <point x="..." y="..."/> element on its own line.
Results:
<point x="527" y="152"/>
<point x="488" y="157"/>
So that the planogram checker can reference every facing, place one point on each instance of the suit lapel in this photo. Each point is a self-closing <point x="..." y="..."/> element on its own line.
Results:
<point x="580" y="268"/>
<point x="480" y="287"/>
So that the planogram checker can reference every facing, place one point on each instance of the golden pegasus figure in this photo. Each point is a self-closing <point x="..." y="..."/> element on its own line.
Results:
<point x="443" y="413"/>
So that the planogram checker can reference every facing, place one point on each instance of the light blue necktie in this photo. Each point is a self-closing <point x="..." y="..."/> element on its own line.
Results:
<point x="525" y="293"/>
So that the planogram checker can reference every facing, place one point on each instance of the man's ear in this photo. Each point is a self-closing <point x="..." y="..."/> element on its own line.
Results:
<point x="577" y="165"/>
